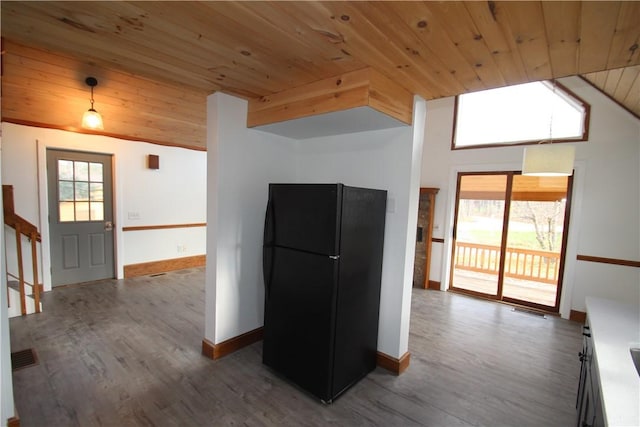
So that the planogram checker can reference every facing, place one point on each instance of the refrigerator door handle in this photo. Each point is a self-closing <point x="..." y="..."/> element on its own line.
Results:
<point x="334" y="256"/>
<point x="269" y="225"/>
<point x="267" y="249"/>
<point x="267" y="267"/>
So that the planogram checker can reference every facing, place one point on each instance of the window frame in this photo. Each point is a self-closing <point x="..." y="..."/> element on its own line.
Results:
<point x="566" y="92"/>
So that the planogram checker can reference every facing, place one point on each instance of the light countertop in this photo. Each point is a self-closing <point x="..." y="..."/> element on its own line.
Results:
<point x="615" y="327"/>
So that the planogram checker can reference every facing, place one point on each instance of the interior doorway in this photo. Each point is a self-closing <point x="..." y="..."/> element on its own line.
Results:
<point x="80" y="216"/>
<point x="509" y="237"/>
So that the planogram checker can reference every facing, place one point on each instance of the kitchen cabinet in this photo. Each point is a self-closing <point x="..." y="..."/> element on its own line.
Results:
<point x="588" y="403"/>
<point x="609" y="389"/>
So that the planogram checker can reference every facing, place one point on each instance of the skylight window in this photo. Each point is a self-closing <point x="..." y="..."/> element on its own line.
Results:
<point x="521" y="114"/>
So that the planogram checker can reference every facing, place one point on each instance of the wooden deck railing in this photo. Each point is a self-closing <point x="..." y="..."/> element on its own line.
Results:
<point x="22" y="227"/>
<point x="526" y="264"/>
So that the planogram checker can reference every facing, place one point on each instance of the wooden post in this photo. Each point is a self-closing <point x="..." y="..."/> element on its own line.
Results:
<point x="23" y="302"/>
<point x="34" y="264"/>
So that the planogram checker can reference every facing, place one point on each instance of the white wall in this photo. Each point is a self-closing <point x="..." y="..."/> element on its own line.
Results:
<point x="174" y="194"/>
<point x="605" y="212"/>
<point x="379" y="159"/>
<point x="6" y="379"/>
<point x="241" y="164"/>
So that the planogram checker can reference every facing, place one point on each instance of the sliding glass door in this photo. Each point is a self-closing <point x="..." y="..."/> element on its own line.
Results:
<point x="509" y="237"/>
<point x="479" y="228"/>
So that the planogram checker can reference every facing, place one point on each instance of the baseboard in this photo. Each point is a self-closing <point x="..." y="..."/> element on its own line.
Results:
<point x="434" y="285"/>
<point x="578" y="316"/>
<point x="208" y="348"/>
<point x="155" y="267"/>
<point x="216" y="351"/>
<point x="396" y="366"/>
<point x="13" y="421"/>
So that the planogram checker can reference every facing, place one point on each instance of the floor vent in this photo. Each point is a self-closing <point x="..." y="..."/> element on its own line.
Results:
<point x="157" y="274"/>
<point x="526" y="311"/>
<point x="23" y="359"/>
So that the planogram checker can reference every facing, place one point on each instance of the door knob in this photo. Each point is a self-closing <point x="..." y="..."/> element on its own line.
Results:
<point x="108" y="226"/>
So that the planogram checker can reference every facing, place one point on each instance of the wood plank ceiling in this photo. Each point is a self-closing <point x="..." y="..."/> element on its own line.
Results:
<point x="254" y="49"/>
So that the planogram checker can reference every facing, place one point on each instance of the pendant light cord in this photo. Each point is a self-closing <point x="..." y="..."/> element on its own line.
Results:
<point x="91" y="100"/>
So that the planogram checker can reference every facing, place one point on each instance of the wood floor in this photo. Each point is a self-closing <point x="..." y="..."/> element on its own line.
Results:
<point x="127" y="353"/>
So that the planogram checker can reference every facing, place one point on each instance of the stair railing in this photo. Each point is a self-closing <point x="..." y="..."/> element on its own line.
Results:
<point x="22" y="227"/>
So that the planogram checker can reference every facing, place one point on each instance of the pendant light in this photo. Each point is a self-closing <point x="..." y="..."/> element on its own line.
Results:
<point x="91" y="118"/>
<point x="546" y="158"/>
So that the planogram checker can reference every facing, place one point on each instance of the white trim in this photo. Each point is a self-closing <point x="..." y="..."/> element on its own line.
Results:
<point x="43" y="202"/>
<point x="7" y="404"/>
<point x="43" y="206"/>
<point x="571" y="251"/>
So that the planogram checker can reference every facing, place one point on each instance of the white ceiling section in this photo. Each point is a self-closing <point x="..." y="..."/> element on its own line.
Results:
<point x="348" y="121"/>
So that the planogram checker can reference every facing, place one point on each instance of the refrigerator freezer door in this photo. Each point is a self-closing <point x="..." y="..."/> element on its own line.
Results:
<point x="299" y="319"/>
<point x="305" y="217"/>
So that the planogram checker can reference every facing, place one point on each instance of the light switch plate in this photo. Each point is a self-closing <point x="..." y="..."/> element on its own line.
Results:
<point x="391" y="205"/>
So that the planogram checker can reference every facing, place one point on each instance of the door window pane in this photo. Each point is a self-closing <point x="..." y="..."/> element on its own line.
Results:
<point x="66" y="191"/>
<point x="97" y="211"/>
<point x="65" y="170"/>
<point x="95" y="172"/>
<point x="479" y="233"/>
<point x="82" y="211"/>
<point x="96" y="194"/>
<point x="81" y="171"/>
<point x="534" y="241"/>
<point x="80" y="191"/>
<point x="67" y="211"/>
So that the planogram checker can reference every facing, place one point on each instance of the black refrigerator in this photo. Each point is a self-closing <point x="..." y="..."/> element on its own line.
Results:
<point x="322" y="261"/>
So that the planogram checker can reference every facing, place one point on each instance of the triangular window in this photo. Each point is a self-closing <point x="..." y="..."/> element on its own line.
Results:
<point x="521" y="114"/>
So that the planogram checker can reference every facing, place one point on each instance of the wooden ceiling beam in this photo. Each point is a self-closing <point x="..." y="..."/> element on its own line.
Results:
<point x="362" y="88"/>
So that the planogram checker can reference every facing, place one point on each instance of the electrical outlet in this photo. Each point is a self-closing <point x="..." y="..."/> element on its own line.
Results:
<point x="182" y="248"/>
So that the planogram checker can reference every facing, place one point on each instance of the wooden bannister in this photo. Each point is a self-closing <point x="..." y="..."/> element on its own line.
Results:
<point x="22" y="227"/>
<point x="11" y="218"/>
